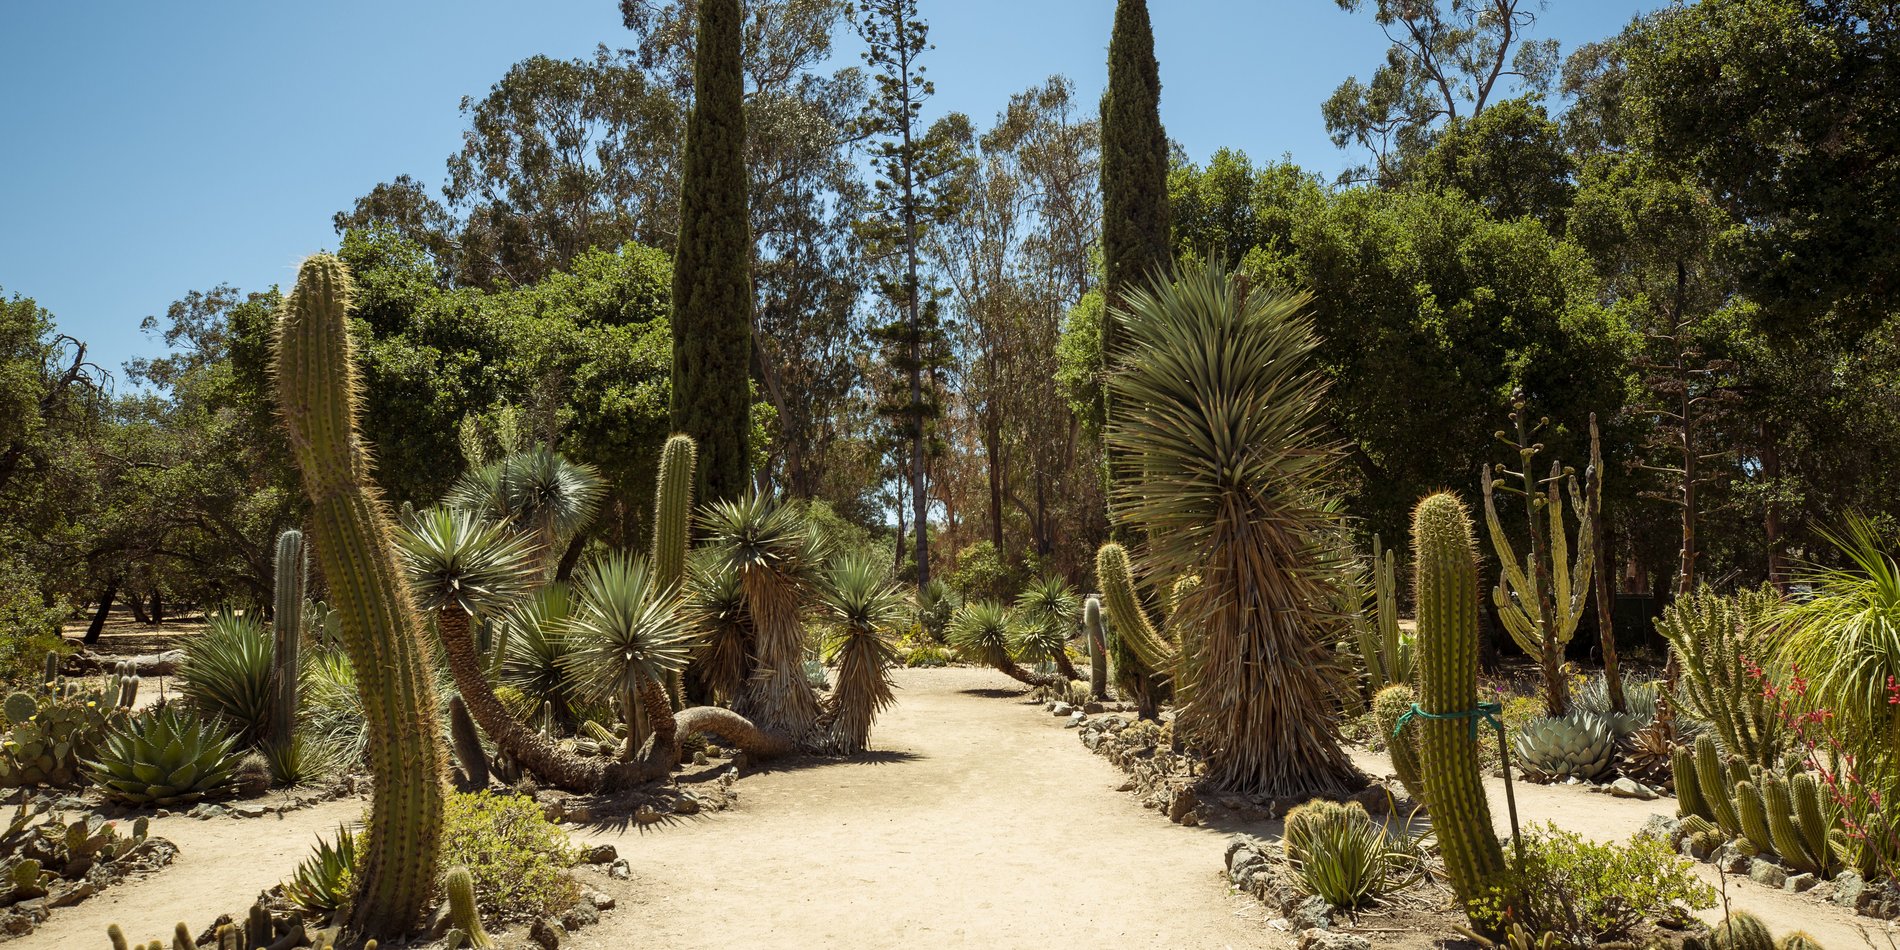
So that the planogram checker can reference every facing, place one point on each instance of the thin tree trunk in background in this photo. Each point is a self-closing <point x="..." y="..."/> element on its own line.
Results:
<point x="98" y="625"/>
<point x="138" y="609"/>
<point x="1771" y="514"/>
<point x="993" y="462"/>
<point x="158" y="608"/>
<point x="1606" y="618"/>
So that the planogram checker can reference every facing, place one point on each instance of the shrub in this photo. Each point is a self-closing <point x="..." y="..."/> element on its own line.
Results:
<point x="518" y="858"/>
<point x="980" y="573"/>
<point x="1585" y="893"/>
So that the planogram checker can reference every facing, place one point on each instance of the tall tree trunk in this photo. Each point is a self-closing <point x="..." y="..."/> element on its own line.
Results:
<point x="1771" y="512"/>
<point x="1606" y="620"/>
<point x="137" y="603"/>
<point x="158" y="608"/>
<point x="98" y="625"/>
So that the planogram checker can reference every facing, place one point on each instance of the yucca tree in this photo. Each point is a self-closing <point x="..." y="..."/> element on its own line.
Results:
<point x="1221" y="466"/>
<point x="533" y="642"/>
<point x="770" y="547"/>
<point x="539" y="493"/>
<point x="983" y="631"/>
<point x="1049" y="610"/>
<point x="460" y="565"/>
<point x="862" y="609"/>
<point x="713" y="605"/>
<point x="625" y="642"/>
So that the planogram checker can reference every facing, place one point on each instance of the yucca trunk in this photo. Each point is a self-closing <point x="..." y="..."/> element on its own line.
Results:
<point x="319" y="394"/>
<point x="535" y="752"/>
<point x="777" y="696"/>
<point x="1065" y="666"/>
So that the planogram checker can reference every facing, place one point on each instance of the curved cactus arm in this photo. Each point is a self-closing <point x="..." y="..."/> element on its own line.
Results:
<point x="319" y="395"/>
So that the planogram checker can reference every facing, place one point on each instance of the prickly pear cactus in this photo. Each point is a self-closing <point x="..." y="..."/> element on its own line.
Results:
<point x="48" y="736"/>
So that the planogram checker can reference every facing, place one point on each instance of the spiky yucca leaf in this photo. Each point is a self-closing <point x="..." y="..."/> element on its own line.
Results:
<point x="981" y="631"/>
<point x="1219" y="462"/>
<point x="1846" y="638"/>
<point x="713" y="605"/>
<point x="1050" y="610"/>
<point x="227" y="674"/>
<point x="538" y="492"/>
<point x="454" y="559"/>
<point x="624" y="631"/>
<point x="862" y="609"/>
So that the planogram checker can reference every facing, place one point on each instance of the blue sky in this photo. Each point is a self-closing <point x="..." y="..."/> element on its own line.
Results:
<point x="152" y="149"/>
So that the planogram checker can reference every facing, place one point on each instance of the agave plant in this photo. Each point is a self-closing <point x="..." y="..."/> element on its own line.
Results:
<point x="625" y="642"/>
<point x="322" y="883"/>
<point x="1218" y="460"/>
<point x="227" y="674"/>
<point x="776" y="557"/>
<point x="1580" y="745"/>
<point x="1049" y="610"/>
<point x="165" y="757"/>
<point x="1640" y="699"/>
<point x="862" y="608"/>
<point x="539" y="493"/>
<point x="984" y="632"/>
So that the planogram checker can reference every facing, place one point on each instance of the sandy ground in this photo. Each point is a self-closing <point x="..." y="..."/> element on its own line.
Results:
<point x="978" y="822"/>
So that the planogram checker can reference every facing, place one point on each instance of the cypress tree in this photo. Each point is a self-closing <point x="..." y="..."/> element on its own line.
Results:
<point x="1136" y="233"/>
<point x="712" y="271"/>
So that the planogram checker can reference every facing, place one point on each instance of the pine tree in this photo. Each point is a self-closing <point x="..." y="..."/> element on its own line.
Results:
<point x="712" y="286"/>
<point x="1136" y="232"/>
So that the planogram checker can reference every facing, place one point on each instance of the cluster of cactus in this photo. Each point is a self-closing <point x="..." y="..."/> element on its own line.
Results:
<point x="1385" y="651"/>
<point x="1446" y="589"/>
<point x="1339" y="852"/>
<point x="50" y="734"/>
<point x="259" y="930"/>
<point x="319" y="393"/>
<point x="1388" y="708"/>
<point x="1580" y="745"/>
<point x="1788" y="815"/>
<point x="38" y="849"/>
<point x="165" y="757"/>
<point x="1745" y="931"/>
<point x="1720" y="643"/>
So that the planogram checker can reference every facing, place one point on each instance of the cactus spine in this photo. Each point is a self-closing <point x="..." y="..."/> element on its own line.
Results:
<point x="460" y="886"/>
<point x="319" y="394"/>
<point x="292" y="568"/>
<point x="1446" y="586"/>
<point x="1141" y="655"/>
<point x="1098" y="647"/>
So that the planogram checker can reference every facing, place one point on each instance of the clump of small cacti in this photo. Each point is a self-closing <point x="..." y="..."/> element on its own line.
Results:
<point x="1788" y="815"/>
<point x="319" y="394"/>
<point x="38" y="850"/>
<point x="1446" y="589"/>
<point x="48" y="735"/>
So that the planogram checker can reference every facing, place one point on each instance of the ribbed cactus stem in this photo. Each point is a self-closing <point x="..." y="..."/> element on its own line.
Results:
<point x="181" y="938"/>
<point x="1098" y="647"/>
<point x="1713" y="784"/>
<point x="673" y="510"/>
<point x="1140" y="654"/>
<point x="1812" y="818"/>
<point x="1688" y="789"/>
<point x="291" y="569"/>
<point x="468" y="744"/>
<point x="1754" y="817"/>
<point x="1788" y="840"/>
<point x="1446" y="587"/>
<point x="463" y="915"/>
<point x="117" y="936"/>
<point x="1388" y="706"/>
<point x="319" y="395"/>
<point x="1744" y="931"/>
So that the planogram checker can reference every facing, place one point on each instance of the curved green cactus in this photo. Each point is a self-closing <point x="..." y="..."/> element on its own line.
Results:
<point x="1688" y="789"/>
<point x="1814" y="817"/>
<point x="1446" y="588"/>
<point x="460" y="887"/>
<point x="1141" y="656"/>
<point x="319" y="394"/>
<point x="1388" y="706"/>
<point x="1713" y="782"/>
<point x="1753" y="816"/>
<point x="291" y="568"/>
<point x="1789" y="842"/>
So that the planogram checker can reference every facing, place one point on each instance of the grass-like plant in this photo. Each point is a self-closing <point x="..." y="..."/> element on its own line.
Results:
<point x="1220" y="462"/>
<point x="862" y="608"/>
<point x="227" y="674"/>
<point x="1049" y="610"/>
<point x="538" y="492"/>
<point x="984" y="632"/>
<point x="534" y="647"/>
<point x="1845" y="638"/>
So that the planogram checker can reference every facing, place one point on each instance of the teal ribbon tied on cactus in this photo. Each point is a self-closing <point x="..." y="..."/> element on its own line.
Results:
<point x="1488" y="712"/>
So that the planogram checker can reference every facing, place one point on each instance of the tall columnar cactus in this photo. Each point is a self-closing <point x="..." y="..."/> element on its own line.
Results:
<point x="1142" y="657"/>
<point x="1381" y="648"/>
<point x="291" y="568"/>
<point x="319" y="393"/>
<point x="1712" y="781"/>
<point x="1446" y="587"/>
<point x="1098" y="647"/>
<point x="673" y="525"/>
<point x="1753" y="816"/>
<point x="1541" y="596"/>
<point x="1688" y="788"/>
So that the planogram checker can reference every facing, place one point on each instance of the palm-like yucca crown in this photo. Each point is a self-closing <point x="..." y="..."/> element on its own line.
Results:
<point x="981" y="631"/>
<point x="538" y="490"/>
<point x="625" y="629"/>
<point x="455" y="559"/>
<point x="1049" y="609"/>
<point x="859" y="598"/>
<point x="760" y="533"/>
<point x="534" y="638"/>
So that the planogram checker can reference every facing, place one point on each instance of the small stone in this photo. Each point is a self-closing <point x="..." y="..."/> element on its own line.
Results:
<point x="1767" y="873"/>
<point x="600" y="854"/>
<point x="16" y="924"/>
<point x="251" y="811"/>
<point x="1630" y="788"/>
<point x="1732" y="861"/>
<point x="1094" y="709"/>
<point x="686" y="805"/>
<point x="1061" y="709"/>
<point x="699" y="758"/>
<point x="1312" y="913"/>
<point x="1847" y="889"/>
<point x="546" y="932"/>
<point x="1075" y="719"/>
<point x="1695" y="849"/>
<point x="72" y="895"/>
<point x="580" y="813"/>
<point x="599" y="900"/>
<point x="1799" y="883"/>
<point x="580" y="915"/>
<point x="1318" y="939"/>
<point x="620" y="870"/>
<point x="1662" y="827"/>
<point x="646" y="815"/>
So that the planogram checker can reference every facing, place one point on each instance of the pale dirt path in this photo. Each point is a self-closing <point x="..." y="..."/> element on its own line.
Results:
<point x="221" y="866"/>
<point x="986" y="825"/>
<point x="1605" y="818"/>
